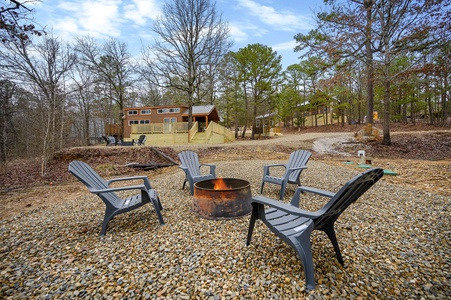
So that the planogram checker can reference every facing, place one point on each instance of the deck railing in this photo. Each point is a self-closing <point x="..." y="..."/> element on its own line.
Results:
<point x="192" y="132"/>
<point x="182" y="127"/>
<point x="218" y="129"/>
<point x="174" y="127"/>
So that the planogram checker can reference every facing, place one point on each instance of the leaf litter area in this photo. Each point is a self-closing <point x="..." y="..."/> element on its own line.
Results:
<point x="420" y="158"/>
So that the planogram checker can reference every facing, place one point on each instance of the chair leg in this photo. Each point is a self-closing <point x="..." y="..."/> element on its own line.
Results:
<point x="159" y="204"/>
<point x="261" y="189"/>
<point x="282" y="190"/>
<point x="108" y="216"/>
<point x="330" y="231"/>
<point x="303" y="248"/>
<point x="184" y="183"/>
<point x="191" y="188"/>
<point x="156" y="205"/>
<point x="252" y="223"/>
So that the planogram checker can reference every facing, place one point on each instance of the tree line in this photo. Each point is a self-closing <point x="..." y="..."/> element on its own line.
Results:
<point x="388" y="56"/>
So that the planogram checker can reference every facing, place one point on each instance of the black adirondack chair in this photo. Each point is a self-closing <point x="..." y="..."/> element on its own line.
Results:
<point x="141" y="140"/>
<point x="192" y="168"/>
<point x="114" y="204"/>
<point x="294" y="225"/>
<point x="293" y="168"/>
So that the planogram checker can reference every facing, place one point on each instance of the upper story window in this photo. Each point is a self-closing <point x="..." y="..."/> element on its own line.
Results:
<point x="132" y="112"/>
<point x="136" y="122"/>
<point x="145" y="111"/>
<point x="168" y="110"/>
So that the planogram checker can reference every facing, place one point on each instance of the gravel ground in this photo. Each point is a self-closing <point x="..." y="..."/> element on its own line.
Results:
<point x="394" y="240"/>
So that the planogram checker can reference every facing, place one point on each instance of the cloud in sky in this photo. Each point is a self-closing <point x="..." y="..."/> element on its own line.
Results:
<point x="89" y="18"/>
<point x="268" y="22"/>
<point x="284" y="46"/>
<point x="242" y="31"/>
<point x="141" y="10"/>
<point x="282" y="20"/>
<point x="104" y="17"/>
<point x="237" y="33"/>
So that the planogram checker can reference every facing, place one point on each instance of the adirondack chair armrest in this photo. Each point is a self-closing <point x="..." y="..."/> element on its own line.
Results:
<point x="211" y="166"/>
<point x="316" y="191"/>
<point x="122" y="188"/>
<point x="285" y="207"/>
<point x="267" y="167"/>
<point x="298" y="168"/>
<point x="300" y="189"/>
<point x="144" y="178"/>
<point x="208" y="165"/>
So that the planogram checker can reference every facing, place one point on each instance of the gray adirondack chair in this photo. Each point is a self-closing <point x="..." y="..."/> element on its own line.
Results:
<point x="295" y="165"/>
<point x="294" y="225"/>
<point x="192" y="168"/>
<point x="114" y="204"/>
<point x="110" y="140"/>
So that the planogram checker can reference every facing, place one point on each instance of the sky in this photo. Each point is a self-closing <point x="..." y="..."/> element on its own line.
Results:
<point x="269" y="22"/>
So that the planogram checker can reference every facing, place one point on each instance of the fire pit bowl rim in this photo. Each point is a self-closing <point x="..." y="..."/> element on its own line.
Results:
<point x="244" y="184"/>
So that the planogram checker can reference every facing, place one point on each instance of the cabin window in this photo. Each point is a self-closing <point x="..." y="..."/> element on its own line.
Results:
<point x="132" y="112"/>
<point x="133" y="122"/>
<point x="257" y="123"/>
<point x="168" y="110"/>
<point x="170" y="120"/>
<point x="144" y="121"/>
<point x="145" y="111"/>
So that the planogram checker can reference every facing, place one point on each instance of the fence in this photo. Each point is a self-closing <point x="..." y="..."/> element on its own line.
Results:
<point x="218" y="129"/>
<point x="174" y="127"/>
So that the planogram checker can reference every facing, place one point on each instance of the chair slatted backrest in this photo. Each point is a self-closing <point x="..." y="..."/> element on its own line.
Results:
<point x="83" y="172"/>
<point x="190" y="160"/>
<point x="141" y="139"/>
<point x="347" y="195"/>
<point x="297" y="159"/>
<point x="113" y="140"/>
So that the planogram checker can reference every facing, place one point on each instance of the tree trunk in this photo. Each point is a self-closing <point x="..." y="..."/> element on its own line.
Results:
<point x="254" y="114"/>
<point x="369" y="61"/>
<point x="243" y="134"/>
<point x="386" y="128"/>
<point x="444" y="100"/>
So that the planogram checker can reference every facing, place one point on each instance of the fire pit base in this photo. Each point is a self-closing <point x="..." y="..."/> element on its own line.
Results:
<point x="232" y="200"/>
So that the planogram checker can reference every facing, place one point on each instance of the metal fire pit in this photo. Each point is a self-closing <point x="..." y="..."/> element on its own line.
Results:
<point x="228" y="202"/>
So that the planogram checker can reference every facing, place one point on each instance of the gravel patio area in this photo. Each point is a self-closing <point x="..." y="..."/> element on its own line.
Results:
<point x="395" y="243"/>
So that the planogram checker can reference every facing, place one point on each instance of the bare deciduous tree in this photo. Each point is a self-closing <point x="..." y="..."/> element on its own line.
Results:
<point x="113" y="66"/>
<point x="377" y="32"/>
<point x="7" y="90"/>
<point x="15" y="21"/>
<point x="43" y="67"/>
<point x="192" y="37"/>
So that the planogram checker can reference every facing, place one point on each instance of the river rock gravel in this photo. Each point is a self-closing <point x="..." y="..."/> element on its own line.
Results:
<point x="395" y="243"/>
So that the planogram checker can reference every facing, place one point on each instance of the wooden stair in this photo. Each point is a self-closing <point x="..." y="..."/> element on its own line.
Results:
<point x="199" y="138"/>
